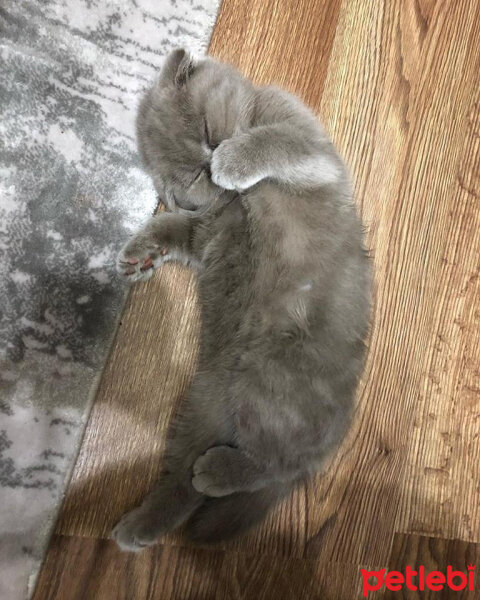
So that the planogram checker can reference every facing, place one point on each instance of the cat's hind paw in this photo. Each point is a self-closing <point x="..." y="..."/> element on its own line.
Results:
<point x="135" y="531"/>
<point x="211" y="471"/>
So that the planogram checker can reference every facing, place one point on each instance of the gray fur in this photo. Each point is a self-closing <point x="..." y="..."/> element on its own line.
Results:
<point x="261" y="207"/>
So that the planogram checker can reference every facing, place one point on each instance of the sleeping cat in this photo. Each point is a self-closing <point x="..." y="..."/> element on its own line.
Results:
<point x="260" y="204"/>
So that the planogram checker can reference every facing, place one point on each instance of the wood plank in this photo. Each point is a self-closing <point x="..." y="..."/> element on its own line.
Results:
<point x="279" y="41"/>
<point x="434" y="554"/>
<point x="401" y="99"/>
<point x="80" y="568"/>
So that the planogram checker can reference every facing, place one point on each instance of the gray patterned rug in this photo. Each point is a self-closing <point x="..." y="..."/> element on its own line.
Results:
<point x="71" y="190"/>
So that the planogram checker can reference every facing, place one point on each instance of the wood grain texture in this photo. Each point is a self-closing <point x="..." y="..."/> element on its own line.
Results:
<point x="397" y="85"/>
<point x="434" y="554"/>
<point x="85" y="568"/>
<point x="402" y="100"/>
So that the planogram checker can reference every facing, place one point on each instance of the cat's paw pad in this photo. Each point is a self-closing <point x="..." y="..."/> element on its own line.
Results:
<point x="229" y="166"/>
<point x="136" y="263"/>
<point x="135" y="531"/>
<point x="211" y="472"/>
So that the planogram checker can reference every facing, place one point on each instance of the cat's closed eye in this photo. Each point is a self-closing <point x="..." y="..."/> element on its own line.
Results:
<point x="197" y="177"/>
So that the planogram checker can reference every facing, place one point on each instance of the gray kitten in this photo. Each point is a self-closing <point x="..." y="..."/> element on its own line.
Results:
<point x="261" y="206"/>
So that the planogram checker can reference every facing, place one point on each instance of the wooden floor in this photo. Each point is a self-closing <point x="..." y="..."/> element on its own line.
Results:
<point x="397" y="84"/>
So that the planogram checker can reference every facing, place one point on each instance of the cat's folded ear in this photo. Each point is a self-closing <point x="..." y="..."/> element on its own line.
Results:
<point x="178" y="67"/>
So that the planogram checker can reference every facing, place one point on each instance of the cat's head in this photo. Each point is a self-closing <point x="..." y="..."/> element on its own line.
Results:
<point x="192" y="107"/>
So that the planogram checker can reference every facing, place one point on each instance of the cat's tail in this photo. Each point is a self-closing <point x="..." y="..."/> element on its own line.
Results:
<point x="219" y="519"/>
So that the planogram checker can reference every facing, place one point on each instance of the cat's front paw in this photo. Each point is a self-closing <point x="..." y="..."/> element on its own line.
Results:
<point x="135" y="531"/>
<point x="231" y="165"/>
<point x="139" y="257"/>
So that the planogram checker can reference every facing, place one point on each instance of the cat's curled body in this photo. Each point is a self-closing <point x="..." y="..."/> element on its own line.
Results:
<point x="260" y="205"/>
